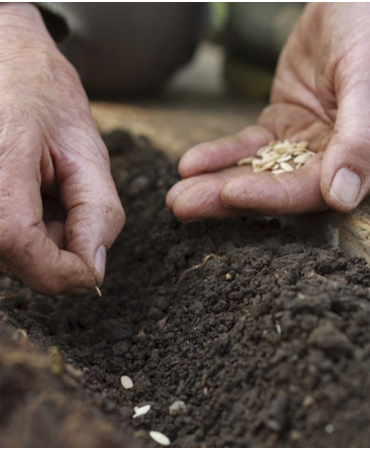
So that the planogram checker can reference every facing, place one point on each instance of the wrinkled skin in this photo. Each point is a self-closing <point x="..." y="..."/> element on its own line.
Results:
<point x="58" y="202"/>
<point x="321" y="93"/>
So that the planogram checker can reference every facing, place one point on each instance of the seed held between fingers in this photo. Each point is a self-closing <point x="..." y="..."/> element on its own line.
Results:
<point x="98" y="292"/>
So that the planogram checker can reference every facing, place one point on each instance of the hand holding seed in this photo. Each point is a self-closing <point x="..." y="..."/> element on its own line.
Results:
<point x="320" y="95"/>
<point x="60" y="211"/>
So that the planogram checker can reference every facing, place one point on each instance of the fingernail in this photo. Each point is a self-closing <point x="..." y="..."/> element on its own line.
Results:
<point x="100" y="260"/>
<point x="346" y="186"/>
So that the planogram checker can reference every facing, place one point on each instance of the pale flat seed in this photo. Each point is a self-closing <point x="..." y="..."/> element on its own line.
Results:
<point x="298" y="152"/>
<point x="263" y="150"/>
<point x="276" y="172"/>
<point x="140" y="411"/>
<point x="271" y="157"/>
<point x="257" y="163"/>
<point x="286" y="167"/>
<point x="126" y="382"/>
<point x="160" y="438"/>
<point x="279" y="152"/>
<point x="246" y="161"/>
<point x="302" y="158"/>
<point x="282" y="147"/>
<point x="267" y="166"/>
<point x="98" y="292"/>
<point x="284" y="158"/>
<point x="302" y="144"/>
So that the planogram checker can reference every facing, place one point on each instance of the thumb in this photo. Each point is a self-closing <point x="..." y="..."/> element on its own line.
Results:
<point x="345" y="176"/>
<point x="95" y="216"/>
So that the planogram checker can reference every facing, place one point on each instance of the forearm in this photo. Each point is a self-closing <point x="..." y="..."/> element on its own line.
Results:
<point x="38" y="20"/>
<point x="22" y="21"/>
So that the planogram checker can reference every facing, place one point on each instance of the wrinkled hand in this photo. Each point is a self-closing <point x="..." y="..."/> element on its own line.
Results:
<point x="321" y="94"/>
<point x="59" y="209"/>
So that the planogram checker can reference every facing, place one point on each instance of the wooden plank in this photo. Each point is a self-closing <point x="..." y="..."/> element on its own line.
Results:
<point x="349" y="231"/>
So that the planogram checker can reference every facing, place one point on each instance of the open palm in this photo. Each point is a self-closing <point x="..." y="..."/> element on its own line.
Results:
<point x="320" y="94"/>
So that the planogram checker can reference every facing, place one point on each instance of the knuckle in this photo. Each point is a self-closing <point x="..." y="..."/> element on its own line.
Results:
<point x="12" y="239"/>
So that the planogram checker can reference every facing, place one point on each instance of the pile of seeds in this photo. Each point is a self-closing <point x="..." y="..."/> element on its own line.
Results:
<point x="279" y="157"/>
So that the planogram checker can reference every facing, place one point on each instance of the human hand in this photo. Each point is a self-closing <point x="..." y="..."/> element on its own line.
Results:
<point x="51" y="154"/>
<point x="321" y="94"/>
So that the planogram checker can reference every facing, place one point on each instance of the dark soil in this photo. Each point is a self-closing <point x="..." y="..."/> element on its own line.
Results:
<point x="264" y="334"/>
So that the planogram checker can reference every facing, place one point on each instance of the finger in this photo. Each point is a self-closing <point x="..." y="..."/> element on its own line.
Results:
<point x="95" y="215"/>
<point x="215" y="179"/>
<point x="238" y="192"/>
<point x="181" y="186"/>
<point x="203" y="200"/>
<point x="43" y="267"/>
<point x="224" y="152"/>
<point x="265" y="193"/>
<point x="345" y="179"/>
<point x="25" y="248"/>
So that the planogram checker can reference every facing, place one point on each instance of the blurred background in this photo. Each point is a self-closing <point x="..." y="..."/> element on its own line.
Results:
<point x="201" y="70"/>
<point x="132" y="49"/>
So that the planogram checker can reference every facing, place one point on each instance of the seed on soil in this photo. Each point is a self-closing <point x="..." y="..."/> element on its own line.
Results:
<point x="160" y="438"/>
<point x="274" y="157"/>
<point x="329" y="428"/>
<point x="308" y="401"/>
<point x="177" y="408"/>
<point x="295" y="435"/>
<point x="162" y="322"/>
<point x="126" y="382"/>
<point x="98" y="292"/>
<point x="73" y="371"/>
<point x="140" y="411"/>
<point x="23" y="333"/>
<point x="228" y="277"/>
